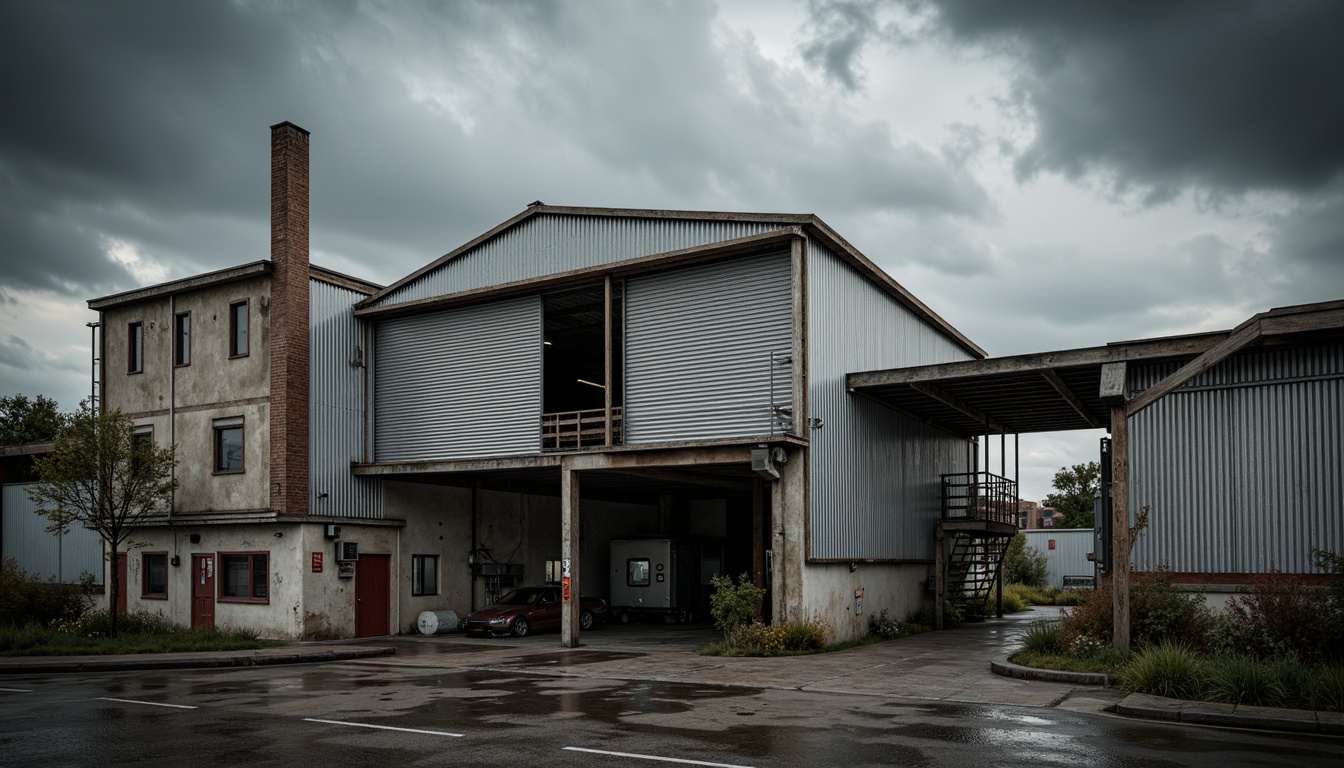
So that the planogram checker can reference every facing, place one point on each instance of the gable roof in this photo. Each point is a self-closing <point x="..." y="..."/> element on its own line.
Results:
<point x="223" y="277"/>
<point x="806" y="222"/>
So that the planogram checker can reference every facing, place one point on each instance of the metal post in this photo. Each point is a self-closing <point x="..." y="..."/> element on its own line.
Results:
<point x="606" y="393"/>
<point x="569" y="533"/>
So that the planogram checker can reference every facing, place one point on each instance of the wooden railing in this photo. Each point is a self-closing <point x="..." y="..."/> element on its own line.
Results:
<point x="579" y="429"/>
<point x="980" y="496"/>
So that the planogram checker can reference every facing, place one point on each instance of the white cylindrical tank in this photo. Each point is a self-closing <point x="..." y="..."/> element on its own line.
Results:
<point x="436" y="622"/>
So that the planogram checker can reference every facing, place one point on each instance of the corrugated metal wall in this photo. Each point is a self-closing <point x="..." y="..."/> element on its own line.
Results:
<point x="64" y="557"/>
<point x="875" y="472"/>
<point x="548" y="244"/>
<point x="698" y="349"/>
<point x="336" y="406"/>
<point x="1243" y="468"/>
<point x="463" y="382"/>
<point x="1069" y="557"/>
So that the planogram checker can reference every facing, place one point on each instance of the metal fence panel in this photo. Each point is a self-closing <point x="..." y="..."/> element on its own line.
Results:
<point x="64" y="557"/>
<point x="1069" y="557"/>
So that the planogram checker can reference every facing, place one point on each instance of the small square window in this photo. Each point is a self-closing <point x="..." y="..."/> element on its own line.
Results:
<point x="154" y="575"/>
<point x="245" y="577"/>
<point x="135" y="348"/>
<point x="182" y="338"/>
<point x="424" y="575"/>
<point x="228" y="448"/>
<point x="637" y="572"/>
<point x="238" y="329"/>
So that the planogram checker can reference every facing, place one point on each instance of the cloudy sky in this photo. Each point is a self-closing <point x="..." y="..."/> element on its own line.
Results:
<point x="1044" y="175"/>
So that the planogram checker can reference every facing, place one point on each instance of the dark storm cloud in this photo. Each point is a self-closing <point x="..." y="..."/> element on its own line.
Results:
<point x="841" y="29"/>
<point x="1224" y="97"/>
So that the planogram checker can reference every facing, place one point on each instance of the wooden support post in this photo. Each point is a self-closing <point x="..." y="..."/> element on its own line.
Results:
<point x="606" y="392"/>
<point x="1120" y="526"/>
<point x="569" y="547"/>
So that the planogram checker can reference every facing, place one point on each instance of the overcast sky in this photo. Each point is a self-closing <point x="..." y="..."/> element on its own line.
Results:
<point x="1045" y="175"/>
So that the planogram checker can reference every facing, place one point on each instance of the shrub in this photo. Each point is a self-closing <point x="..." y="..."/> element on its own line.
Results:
<point x="1067" y="598"/>
<point x="925" y="616"/>
<point x="1158" y="612"/>
<point x="734" y="605"/>
<point x="883" y="626"/>
<point x="1243" y="680"/>
<point x="1042" y="637"/>
<point x="758" y="639"/>
<point x="1168" y="669"/>
<point x="25" y="598"/>
<point x="1023" y="564"/>
<point x="1282" y="618"/>
<point x="1328" y="691"/>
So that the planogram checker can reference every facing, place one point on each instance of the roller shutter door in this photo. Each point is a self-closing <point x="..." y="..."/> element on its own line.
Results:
<point x="699" y="344"/>
<point x="459" y="383"/>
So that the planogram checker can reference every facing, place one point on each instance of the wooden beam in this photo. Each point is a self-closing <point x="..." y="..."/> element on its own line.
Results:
<point x="1120" y="527"/>
<point x="956" y="404"/>
<point x="1246" y="333"/>
<point x="1070" y="397"/>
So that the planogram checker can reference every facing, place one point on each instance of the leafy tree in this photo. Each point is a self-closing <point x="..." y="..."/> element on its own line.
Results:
<point x="29" y="421"/>
<point x="1023" y="564"/>
<point x="1075" y="489"/>
<point x="102" y="476"/>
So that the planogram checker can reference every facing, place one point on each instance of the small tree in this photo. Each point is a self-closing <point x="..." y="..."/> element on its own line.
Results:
<point x="102" y="476"/>
<point x="1023" y="564"/>
<point x="734" y="605"/>
<point x="1075" y="489"/>
<point x="29" y="421"/>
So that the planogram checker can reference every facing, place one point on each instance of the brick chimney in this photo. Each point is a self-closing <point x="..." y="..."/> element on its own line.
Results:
<point x="289" y="319"/>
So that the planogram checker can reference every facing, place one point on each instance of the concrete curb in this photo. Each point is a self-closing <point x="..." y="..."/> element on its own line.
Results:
<point x="1008" y="669"/>
<point x="25" y="665"/>
<point x="1142" y="705"/>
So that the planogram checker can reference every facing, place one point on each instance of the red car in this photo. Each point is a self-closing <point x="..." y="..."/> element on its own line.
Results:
<point x="528" y="609"/>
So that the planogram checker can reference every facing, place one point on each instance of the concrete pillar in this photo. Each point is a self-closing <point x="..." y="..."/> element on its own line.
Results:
<point x="569" y="534"/>
<point x="788" y="496"/>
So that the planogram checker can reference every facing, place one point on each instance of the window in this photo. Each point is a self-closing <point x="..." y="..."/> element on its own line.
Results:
<point x="424" y="574"/>
<point x="238" y="329"/>
<point x="229" y="445"/>
<point x="245" y="576"/>
<point x="135" y="348"/>
<point x="154" y="575"/>
<point x="182" y="338"/>
<point x="637" y="573"/>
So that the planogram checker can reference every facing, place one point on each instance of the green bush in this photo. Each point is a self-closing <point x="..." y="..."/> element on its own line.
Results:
<point x="1243" y="680"/>
<point x="1042" y="637"/>
<point x="734" y="605"/>
<point x="25" y="598"/>
<point x="1159" y="612"/>
<point x="758" y="639"/>
<point x="1023" y="564"/>
<point x="1168" y="669"/>
<point x="883" y="626"/>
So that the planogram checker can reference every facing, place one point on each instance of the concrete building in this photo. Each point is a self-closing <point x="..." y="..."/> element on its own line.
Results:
<point x="573" y="376"/>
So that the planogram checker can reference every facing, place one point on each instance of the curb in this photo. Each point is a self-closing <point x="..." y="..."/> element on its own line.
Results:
<point x="56" y="664"/>
<point x="1009" y="669"/>
<point x="1148" y="707"/>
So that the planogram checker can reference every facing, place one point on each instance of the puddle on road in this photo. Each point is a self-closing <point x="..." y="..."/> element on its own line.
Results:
<point x="569" y="658"/>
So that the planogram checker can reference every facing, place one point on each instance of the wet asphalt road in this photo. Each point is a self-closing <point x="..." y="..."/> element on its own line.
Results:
<point x="275" y="716"/>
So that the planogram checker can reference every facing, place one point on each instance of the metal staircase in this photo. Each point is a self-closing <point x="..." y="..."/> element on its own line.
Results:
<point x="979" y="519"/>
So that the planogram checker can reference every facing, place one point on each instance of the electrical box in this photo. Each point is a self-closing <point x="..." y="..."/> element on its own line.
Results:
<point x="347" y="551"/>
<point x="332" y="531"/>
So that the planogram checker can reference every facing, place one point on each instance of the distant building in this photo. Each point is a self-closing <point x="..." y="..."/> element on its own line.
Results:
<point x="1033" y="515"/>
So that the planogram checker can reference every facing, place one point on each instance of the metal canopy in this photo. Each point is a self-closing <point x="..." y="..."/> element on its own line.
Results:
<point x="1058" y="391"/>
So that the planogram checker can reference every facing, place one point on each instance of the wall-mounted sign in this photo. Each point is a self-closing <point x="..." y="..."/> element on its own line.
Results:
<point x="317" y="562"/>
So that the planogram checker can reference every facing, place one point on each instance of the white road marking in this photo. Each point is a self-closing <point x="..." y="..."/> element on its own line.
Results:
<point x="654" y="757"/>
<point x="149" y="703"/>
<point x="15" y="690"/>
<point x="382" y="727"/>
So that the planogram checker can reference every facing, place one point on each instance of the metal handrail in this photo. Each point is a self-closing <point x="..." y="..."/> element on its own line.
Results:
<point x="980" y="496"/>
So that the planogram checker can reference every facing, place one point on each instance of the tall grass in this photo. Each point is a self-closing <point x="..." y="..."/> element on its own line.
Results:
<point x="1043" y="637"/>
<point x="1169" y="669"/>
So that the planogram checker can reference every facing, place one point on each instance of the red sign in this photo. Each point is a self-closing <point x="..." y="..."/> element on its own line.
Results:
<point x="564" y="588"/>
<point x="317" y="562"/>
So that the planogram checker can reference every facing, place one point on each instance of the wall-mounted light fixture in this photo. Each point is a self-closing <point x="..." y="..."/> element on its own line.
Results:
<point x="545" y="343"/>
<point x="591" y="383"/>
<point x="279" y="534"/>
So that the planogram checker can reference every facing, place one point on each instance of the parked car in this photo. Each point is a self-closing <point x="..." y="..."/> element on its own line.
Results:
<point x="1079" y="583"/>
<point x="529" y="609"/>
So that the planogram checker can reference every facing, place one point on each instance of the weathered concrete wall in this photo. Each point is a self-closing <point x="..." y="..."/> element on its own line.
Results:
<point x="830" y="592"/>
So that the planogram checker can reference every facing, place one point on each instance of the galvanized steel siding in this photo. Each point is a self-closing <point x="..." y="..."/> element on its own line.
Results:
<point x="1243" y="468"/>
<point x="459" y="383"/>
<point x="336" y="406"/>
<point x="875" y="472"/>
<point x="698" y="349"/>
<point x="64" y="557"/>
<point x="1069" y="557"/>
<point x="548" y="244"/>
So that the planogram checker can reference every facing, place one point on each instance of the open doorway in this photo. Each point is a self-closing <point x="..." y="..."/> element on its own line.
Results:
<point x="581" y="363"/>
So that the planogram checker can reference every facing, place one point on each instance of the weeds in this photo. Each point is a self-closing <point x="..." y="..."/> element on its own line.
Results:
<point x="1042" y="637"/>
<point x="139" y="632"/>
<point x="1168" y="669"/>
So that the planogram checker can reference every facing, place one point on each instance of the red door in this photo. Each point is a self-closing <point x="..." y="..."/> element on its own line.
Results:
<point x="202" y="591"/>
<point x="122" y="588"/>
<point x="373" y="585"/>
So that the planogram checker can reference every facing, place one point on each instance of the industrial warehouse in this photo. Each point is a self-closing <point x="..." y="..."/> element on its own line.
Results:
<point x="629" y="402"/>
